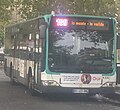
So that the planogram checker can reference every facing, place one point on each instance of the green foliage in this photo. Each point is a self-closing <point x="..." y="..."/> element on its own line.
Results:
<point x="33" y="8"/>
<point x="5" y="11"/>
<point x="1" y="36"/>
<point x="94" y="7"/>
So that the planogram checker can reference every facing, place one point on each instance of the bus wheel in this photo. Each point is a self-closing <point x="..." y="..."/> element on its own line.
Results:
<point x="11" y="76"/>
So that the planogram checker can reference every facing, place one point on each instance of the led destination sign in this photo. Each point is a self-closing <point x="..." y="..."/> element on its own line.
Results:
<point x="90" y="24"/>
<point x="81" y="23"/>
<point x="61" y="22"/>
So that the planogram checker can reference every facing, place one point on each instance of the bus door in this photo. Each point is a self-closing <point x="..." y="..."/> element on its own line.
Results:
<point x="37" y="73"/>
<point x="40" y="54"/>
<point x="16" y="57"/>
<point x="37" y="57"/>
<point x="118" y="73"/>
<point x="118" y="59"/>
<point x="34" y="45"/>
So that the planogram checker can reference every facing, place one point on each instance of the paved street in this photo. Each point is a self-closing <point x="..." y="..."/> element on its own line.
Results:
<point x="18" y="98"/>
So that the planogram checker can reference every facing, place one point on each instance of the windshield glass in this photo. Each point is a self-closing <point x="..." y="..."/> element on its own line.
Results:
<point x="80" y="51"/>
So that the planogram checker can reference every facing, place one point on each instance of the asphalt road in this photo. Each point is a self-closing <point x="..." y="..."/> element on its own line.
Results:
<point x="18" y="98"/>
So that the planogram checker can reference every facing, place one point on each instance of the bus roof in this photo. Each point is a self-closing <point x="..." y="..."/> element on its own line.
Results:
<point x="65" y="15"/>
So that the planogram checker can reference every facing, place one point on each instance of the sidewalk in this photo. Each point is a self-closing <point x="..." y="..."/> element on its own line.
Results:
<point x="3" y="77"/>
<point x="1" y="66"/>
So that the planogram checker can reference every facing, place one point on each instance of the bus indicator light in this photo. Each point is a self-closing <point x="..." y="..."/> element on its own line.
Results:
<point x="61" y="22"/>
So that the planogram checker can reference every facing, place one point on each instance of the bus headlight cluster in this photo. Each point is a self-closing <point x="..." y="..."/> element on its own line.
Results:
<point x="109" y="84"/>
<point x="49" y="83"/>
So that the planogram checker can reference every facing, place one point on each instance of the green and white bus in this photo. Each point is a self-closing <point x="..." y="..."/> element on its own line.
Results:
<point x="63" y="54"/>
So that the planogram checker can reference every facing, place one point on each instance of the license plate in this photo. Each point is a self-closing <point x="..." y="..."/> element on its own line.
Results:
<point x="80" y="91"/>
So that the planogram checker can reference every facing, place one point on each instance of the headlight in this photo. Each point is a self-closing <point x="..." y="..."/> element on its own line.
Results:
<point x="50" y="83"/>
<point x="109" y="84"/>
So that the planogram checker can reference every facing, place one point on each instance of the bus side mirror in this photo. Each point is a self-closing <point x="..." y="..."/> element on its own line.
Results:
<point x="42" y="30"/>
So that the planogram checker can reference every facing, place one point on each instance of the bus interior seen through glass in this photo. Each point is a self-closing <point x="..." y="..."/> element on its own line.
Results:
<point x="80" y="50"/>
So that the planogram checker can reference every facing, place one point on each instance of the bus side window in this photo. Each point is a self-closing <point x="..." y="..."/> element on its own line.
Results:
<point x="42" y="31"/>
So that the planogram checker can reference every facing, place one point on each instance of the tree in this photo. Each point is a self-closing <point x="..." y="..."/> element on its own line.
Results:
<point x="32" y="8"/>
<point x="5" y="15"/>
<point x="5" y="11"/>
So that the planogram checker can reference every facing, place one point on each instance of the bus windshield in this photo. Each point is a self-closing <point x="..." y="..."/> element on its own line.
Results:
<point x="80" y="50"/>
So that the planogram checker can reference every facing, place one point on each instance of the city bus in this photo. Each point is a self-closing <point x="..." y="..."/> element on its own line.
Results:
<point x="63" y="54"/>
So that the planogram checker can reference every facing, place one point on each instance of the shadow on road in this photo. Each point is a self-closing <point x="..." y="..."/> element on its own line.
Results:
<point x="68" y="98"/>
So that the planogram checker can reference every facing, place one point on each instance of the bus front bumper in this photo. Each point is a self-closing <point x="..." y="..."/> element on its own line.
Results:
<point x="101" y="90"/>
